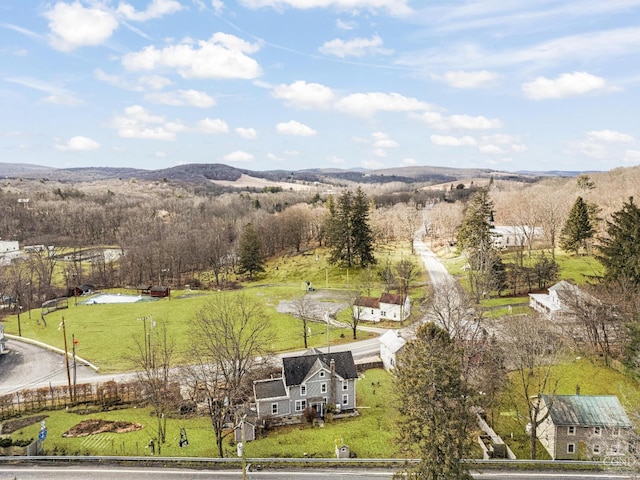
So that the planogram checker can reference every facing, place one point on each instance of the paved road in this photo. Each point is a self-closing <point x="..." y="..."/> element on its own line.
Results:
<point x="30" y="366"/>
<point x="116" y="473"/>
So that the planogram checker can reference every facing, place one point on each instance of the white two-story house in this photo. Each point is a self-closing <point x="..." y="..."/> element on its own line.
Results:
<point x="390" y="306"/>
<point x="313" y="380"/>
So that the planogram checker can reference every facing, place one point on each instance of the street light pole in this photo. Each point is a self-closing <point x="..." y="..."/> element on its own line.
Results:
<point x="29" y="299"/>
<point x="19" y="325"/>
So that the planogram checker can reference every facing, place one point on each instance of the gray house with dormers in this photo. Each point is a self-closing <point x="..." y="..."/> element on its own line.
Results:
<point x="312" y="380"/>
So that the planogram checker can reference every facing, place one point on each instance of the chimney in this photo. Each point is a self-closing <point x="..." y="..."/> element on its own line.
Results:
<point x="332" y="383"/>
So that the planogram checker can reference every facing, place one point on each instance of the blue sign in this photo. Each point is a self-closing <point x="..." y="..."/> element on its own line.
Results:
<point x="42" y="435"/>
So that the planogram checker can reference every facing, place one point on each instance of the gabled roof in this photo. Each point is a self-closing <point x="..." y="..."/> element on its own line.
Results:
<point x="271" y="388"/>
<point x="587" y="410"/>
<point x="392" y="298"/>
<point x="369" y="302"/>
<point x="392" y="340"/>
<point x="295" y="369"/>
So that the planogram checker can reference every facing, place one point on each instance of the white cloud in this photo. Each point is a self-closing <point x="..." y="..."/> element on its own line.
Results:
<point x="609" y="136"/>
<point x="156" y="9"/>
<point x="366" y="104"/>
<point x="451" y="141"/>
<point x="581" y="47"/>
<point x="565" y="85"/>
<point x="458" y="122"/>
<point x="490" y="149"/>
<point x="155" y="82"/>
<point x="291" y="153"/>
<point x="78" y="144"/>
<point x="66" y="99"/>
<point x="632" y="156"/>
<point x="358" y="47"/>
<point x="180" y="98"/>
<point x="222" y="56"/>
<point x="160" y="154"/>
<point x="394" y="7"/>
<point x="73" y="26"/>
<point x="248" y="133"/>
<point x="301" y="94"/>
<point x="137" y="122"/>
<point x="273" y="156"/>
<point x="295" y="128"/>
<point x="467" y="80"/>
<point x="238" y="156"/>
<point x="382" y="142"/>
<point x="346" y="24"/>
<point x="335" y="160"/>
<point x="409" y="162"/>
<point x="519" y="147"/>
<point x="379" y="152"/>
<point x="210" y="125"/>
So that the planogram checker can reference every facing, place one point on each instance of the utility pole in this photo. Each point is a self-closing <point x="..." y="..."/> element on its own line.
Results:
<point x="66" y="357"/>
<point x="74" y="342"/>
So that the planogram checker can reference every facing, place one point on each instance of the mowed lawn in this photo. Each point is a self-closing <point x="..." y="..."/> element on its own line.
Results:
<point x="369" y="435"/>
<point x="106" y="333"/>
<point x="592" y="378"/>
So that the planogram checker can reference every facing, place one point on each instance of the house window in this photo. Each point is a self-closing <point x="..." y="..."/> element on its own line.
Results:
<point x="597" y="431"/>
<point x="394" y="314"/>
<point x="303" y="390"/>
<point x="345" y="399"/>
<point x="383" y="313"/>
<point x="613" y="449"/>
<point x="274" y="409"/>
<point x="615" y="431"/>
<point x="301" y="405"/>
<point x="571" y="430"/>
<point x="571" y="448"/>
<point x="596" y="449"/>
<point x="345" y="385"/>
<point x="372" y="311"/>
<point x="321" y="374"/>
<point x="323" y="388"/>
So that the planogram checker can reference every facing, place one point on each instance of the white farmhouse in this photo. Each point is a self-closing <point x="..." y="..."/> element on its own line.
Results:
<point x="390" y="306"/>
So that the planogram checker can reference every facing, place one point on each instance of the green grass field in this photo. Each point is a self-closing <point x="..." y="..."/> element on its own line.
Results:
<point x="593" y="379"/>
<point x="368" y="435"/>
<point x="105" y="333"/>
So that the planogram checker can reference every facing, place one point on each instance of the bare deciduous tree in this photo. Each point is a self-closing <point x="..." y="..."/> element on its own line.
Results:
<point x="152" y="359"/>
<point x="232" y="337"/>
<point x="305" y="309"/>
<point x="532" y="349"/>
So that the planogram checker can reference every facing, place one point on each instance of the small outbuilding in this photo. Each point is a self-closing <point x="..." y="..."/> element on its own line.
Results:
<point x="160" y="291"/>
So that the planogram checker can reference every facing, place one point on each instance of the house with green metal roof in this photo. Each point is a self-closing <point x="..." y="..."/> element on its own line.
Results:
<point x="584" y="427"/>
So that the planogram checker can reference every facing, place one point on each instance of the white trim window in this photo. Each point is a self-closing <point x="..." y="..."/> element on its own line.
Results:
<point x="303" y="390"/>
<point x="597" y="431"/>
<point x="345" y="399"/>
<point x="274" y="409"/>
<point x="345" y="385"/>
<point x="615" y="431"/>
<point x="596" y="449"/>
<point x="571" y="430"/>
<point x="571" y="448"/>
<point x="323" y="388"/>
<point x="301" y="405"/>
<point x="321" y="374"/>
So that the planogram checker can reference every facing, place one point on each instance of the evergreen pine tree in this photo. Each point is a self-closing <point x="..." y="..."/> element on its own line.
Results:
<point x="350" y="239"/>
<point x="251" y="259"/>
<point x="620" y="251"/>
<point x="361" y="231"/>
<point x="577" y="229"/>
<point x="434" y="403"/>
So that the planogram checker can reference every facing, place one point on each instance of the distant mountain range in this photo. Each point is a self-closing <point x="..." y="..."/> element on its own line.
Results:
<point x="205" y="173"/>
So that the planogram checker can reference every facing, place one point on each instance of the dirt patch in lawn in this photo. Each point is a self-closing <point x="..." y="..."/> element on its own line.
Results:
<point x="95" y="426"/>
<point x="10" y="426"/>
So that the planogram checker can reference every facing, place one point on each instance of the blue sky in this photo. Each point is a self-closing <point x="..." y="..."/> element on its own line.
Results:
<point x="293" y="84"/>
